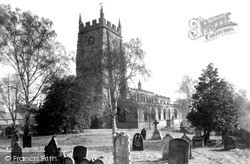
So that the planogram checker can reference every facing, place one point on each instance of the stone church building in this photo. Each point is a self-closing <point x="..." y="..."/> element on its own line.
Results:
<point x="137" y="108"/>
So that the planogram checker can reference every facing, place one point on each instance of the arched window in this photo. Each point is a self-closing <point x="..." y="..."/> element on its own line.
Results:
<point x="153" y="114"/>
<point x="145" y="116"/>
<point x="159" y="114"/>
<point x="175" y="113"/>
<point x="164" y="114"/>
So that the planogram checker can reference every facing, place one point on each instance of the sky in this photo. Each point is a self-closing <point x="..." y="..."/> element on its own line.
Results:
<point x="163" y="29"/>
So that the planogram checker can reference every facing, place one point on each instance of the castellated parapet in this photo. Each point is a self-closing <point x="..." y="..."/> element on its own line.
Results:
<point x="102" y="22"/>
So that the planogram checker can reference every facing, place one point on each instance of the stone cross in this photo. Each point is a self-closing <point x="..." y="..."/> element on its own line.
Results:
<point x="156" y="133"/>
<point x="155" y="123"/>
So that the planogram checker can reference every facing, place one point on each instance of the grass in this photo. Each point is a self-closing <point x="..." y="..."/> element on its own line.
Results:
<point x="99" y="143"/>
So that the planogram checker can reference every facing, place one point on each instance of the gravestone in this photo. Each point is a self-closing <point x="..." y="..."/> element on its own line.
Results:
<point x="68" y="160"/>
<point x="156" y="133"/>
<point x="197" y="132"/>
<point x="165" y="146"/>
<point x="52" y="148"/>
<point x="197" y="140"/>
<point x="15" y="138"/>
<point x="99" y="161"/>
<point x="137" y="142"/>
<point x="84" y="161"/>
<point x="122" y="147"/>
<point x="79" y="153"/>
<point x="144" y="133"/>
<point x="27" y="141"/>
<point x="229" y="143"/>
<point x="16" y="152"/>
<point x="190" y="143"/>
<point x="178" y="151"/>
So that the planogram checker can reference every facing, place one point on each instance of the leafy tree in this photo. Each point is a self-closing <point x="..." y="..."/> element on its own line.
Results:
<point x="114" y="69"/>
<point x="243" y="105"/>
<point x="122" y="66"/>
<point x="10" y="93"/>
<point x="213" y="104"/>
<point x="64" y="109"/>
<point x="186" y="90"/>
<point x="27" y="44"/>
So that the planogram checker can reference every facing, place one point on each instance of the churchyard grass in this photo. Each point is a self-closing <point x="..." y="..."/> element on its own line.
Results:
<point x="99" y="143"/>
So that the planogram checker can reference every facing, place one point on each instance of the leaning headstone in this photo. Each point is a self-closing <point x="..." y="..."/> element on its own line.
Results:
<point x="16" y="152"/>
<point x="156" y="133"/>
<point x="178" y="151"/>
<point x="137" y="142"/>
<point x="79" y="153"/>
<point x="52" y="148"/>
<point x="68" y="160"/>
<point x="122" y="147"/>
<point x="165" y="146"/>
<point x="144" y="133"/>
<point x="190" y="143"/>
<point x="27" y="141"/>
<point x="229" y="143"/>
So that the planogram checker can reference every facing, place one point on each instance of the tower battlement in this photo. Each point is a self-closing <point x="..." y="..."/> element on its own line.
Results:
<point x="102" y="22"/>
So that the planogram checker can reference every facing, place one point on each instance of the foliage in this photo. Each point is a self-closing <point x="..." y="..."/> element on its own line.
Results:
<point x="64" y="109"/>
<point x="10" y="94"/>
<point x="27" y="44"/>
<point x="187" y="90"/>
<point x="243" y="105"/>
<point x="213" y="104"/>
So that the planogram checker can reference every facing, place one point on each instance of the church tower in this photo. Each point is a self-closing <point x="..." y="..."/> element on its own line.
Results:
<point x="93" y="40"/>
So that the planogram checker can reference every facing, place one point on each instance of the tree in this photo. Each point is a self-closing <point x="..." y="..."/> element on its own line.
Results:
<point x="118" y="65"/>
<point x="213" y="104"/>
<point x="27" y="44"/>
<point x="243" y="105"/>
<point x="186" y="90"/>
<point x="10" y="93"/>
<point x="64" y="109"/>
<point x="121" y="67"/>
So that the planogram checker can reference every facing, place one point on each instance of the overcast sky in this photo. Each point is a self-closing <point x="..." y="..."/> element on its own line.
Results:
<point x="163" y="28"/>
